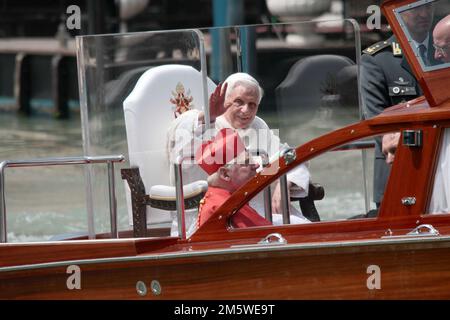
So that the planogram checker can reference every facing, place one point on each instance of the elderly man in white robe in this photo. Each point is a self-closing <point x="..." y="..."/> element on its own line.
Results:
<point x="234" y="105"/>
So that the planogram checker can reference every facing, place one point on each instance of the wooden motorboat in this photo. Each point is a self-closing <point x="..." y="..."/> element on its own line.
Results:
<point x="403" y="252"/>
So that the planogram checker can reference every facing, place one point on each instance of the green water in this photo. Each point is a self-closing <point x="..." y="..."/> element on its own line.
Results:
<point x="42" y="201"/>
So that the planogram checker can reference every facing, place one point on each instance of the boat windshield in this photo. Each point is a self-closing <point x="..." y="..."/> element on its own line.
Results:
<point x="135" y="87"/>
<point x="426" y="25"/>
<point x="329" y="187"/>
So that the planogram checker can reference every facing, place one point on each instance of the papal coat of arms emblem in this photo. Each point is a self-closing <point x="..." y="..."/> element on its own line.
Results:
<point x="181" y="100"/>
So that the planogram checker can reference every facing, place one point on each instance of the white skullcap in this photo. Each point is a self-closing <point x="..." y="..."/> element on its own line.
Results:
<point x="243" y="79"/>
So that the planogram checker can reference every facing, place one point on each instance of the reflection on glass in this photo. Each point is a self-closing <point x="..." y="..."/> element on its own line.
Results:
<point x="427" y="25"/>
<point x="418" y="22"/>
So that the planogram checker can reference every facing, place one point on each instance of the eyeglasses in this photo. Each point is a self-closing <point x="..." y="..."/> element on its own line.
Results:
<point x="442" y="49"/>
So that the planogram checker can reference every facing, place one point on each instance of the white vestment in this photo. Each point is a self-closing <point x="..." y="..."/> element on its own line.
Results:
<point x="186" y="135"/>
<point x="440" y="198"/>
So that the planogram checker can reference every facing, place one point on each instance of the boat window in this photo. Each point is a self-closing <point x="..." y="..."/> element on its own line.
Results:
<point x="340" y="185"/>
<point x="427" y="26"/>
<point x="440" y="198"/>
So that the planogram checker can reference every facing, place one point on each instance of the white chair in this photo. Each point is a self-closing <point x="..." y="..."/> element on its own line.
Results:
<point x="149" y="111"/>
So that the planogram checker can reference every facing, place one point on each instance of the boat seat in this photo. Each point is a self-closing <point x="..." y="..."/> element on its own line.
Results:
<point x="164" y="197"/>
<point x="317" y="81"/>
<point x="316" y="192"/>
<point x="160" y="196"/>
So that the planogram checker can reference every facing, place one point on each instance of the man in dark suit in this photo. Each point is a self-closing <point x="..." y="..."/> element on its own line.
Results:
<point x="387" y="80"/>
<point x="418" y="23"/>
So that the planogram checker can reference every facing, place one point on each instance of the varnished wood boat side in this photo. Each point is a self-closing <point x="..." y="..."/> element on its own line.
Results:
<point x="411" y="113"/>
<point x="411" y="174"/>
<point x="339" y="272"/>
<point x="13" y="254"/>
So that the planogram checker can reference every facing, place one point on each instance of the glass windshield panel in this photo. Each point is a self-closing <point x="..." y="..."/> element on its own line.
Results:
<point x="427" y="26"/>
<point x="339" y="187"/>
<point x="308" y="72"/>
<point x="110" y="67"/>
<point x="334" y="186"/>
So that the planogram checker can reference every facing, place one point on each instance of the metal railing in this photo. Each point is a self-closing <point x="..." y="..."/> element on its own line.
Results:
<point x="110" y="160"/>
<point x="178" y="166"/>
<point x="267" y="191"/>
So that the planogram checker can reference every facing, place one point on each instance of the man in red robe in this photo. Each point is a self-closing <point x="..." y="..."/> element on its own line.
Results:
<point x="229" y="166"/>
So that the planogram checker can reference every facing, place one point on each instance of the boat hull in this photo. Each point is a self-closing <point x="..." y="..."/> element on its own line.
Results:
<point x="406" y="270"/>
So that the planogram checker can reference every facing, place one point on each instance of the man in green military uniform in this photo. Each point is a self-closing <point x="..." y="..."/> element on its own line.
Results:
<point x="387" y="79"/>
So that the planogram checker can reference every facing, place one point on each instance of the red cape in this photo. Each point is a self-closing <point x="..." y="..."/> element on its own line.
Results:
<point x="245" y="217"/>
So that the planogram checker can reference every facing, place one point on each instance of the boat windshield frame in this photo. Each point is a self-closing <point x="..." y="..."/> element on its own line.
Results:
<point x="434" y="80"/>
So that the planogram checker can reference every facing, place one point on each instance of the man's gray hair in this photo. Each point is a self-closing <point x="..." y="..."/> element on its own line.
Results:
<point x="244" y="79"/>
<point x="213" y="178"/>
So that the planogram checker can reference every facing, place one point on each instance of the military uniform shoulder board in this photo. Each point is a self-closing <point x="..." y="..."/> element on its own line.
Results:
<point x="376" y="47"/>
<point x="396" y="50"/>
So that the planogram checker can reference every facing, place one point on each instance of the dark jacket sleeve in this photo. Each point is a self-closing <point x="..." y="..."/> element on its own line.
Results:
<point x="374" y="89"/>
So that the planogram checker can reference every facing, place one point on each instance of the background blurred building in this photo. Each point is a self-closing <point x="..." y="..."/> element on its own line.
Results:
<point x="40" y="18"/>
<point x="37" y="51"/>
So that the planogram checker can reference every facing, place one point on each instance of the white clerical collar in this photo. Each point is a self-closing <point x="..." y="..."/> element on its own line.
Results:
<point x="222" y="122"/>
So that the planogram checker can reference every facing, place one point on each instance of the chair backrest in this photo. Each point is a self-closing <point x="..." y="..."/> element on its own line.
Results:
<point x="312" y="81"/>
<point x="160" y="95"/>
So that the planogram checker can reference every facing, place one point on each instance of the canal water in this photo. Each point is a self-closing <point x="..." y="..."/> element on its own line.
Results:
<point x="43" y="202"/>
<point x="40" y="200"/>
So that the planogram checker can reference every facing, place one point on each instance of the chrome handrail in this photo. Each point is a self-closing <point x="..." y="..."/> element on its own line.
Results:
<point x="289" y="155"/>
<point x="179" y="194"/>
<point x="61" y="161"/>
<point x="267" y="192"/>
<point x="285" y="203"/>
